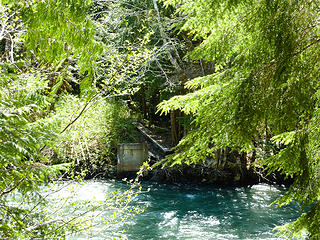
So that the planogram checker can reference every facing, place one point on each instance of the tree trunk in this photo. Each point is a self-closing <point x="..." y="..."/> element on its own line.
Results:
<point x="174" y="129"/>
<point x="143" y="102"/>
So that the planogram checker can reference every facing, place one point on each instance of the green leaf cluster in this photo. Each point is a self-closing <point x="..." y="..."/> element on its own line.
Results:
<point x="42" y="39"/>
<point x="58" y="30"/>
<point x="22" y="132"/>
<point x="266" y="85"/>
<point x="91" y="142"/>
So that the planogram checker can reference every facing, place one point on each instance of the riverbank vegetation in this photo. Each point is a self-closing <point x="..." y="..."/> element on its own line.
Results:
<point x="90" y="143"/>
<point x="48" y="50"/>
<point x="236" y="83"/>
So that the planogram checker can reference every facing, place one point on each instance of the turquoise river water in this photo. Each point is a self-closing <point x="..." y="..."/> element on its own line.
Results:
<point x="192" y="212"/>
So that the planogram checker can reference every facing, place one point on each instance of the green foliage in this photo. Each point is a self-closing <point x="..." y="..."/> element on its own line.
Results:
<point x="42" y="44"/>
<point x="51" y="35"/>
<point x="297" y="228"/>
<point x="127" y="53"/>
<point x="58" y="30"/>
<point x="266" y="85"/>
<point x="21" y="134"/>
<point x="91" y="141"/>
<point x="134" y="34"/>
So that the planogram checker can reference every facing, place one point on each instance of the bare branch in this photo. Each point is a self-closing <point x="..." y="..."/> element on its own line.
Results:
<point x="86" y="107"/>
<point x="171" y="58"/>
<point x="11" y="50"/>
<point x="306" y="47"/>
<point x="29" y="229"/>
<point x="12" y="189"/>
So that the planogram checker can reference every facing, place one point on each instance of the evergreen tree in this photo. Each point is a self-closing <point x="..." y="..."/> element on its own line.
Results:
<point x="265" y="87"/>
<point x="39" y="40"/>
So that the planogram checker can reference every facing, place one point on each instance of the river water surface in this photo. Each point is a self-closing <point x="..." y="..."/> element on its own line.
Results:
<point x="192" y="212"/>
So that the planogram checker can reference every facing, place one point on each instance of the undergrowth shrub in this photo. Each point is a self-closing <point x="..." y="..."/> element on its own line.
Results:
<point x="90" y="143"/>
